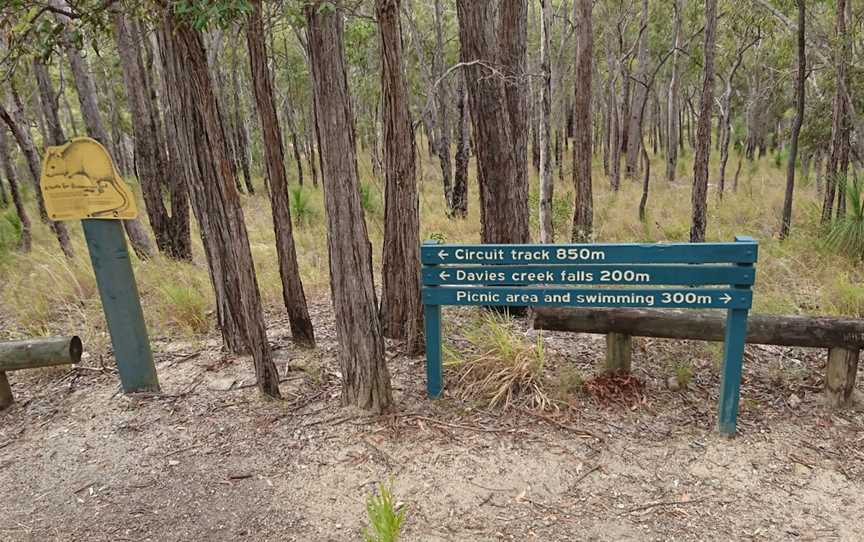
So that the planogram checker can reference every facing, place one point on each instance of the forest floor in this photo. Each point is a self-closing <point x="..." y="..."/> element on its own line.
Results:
<point x="210" y="459"/>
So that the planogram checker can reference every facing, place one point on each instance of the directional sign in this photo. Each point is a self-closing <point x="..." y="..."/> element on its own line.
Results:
<point x="605" y="275"/>
<point x="580" y="254"/>
<point x="557" y="276"/>
<point x="571" y="297"/>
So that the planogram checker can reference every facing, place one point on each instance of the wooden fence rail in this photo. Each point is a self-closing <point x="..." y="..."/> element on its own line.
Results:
<point x="843" y="337"/>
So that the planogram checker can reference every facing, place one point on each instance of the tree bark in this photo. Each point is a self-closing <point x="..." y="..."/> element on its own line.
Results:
<point x="583" y="216"/>
<point x="365" y="377"/>
<point x="241" y="132"/>
<point x="463" y="154"/>
<point x="503" y="187"/>
<point x="401" y="310"/>
<point x="274" y="154"/>
<point x="295" y="145"/>
<point x="786" y="218"/>
<point x="513" y="56"/>
<point x="86" y="90"/>
<point x="25" y="243"/>
<point x="673" y="128"/>
<point x="838" y="159"/>
<point x="441" y="96"/>
<point x="703" y="137"/>
<point x="637" y="108"/>
<point x="171" y="232"/>
<point x="547" y="186"/>
<point x="17" y="124"/>
<point x="210" y="178"/>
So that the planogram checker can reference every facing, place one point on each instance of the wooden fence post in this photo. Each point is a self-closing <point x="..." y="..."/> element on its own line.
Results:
<point x="840" y="375"/>
<point x="6" y="398"/>
<point x="619" y="349"/>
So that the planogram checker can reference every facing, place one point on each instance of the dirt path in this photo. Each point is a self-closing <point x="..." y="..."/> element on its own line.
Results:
<point x="79" y="461"/>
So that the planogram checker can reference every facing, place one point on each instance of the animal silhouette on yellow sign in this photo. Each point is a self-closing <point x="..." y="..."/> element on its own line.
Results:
<point x="79" y="181"/>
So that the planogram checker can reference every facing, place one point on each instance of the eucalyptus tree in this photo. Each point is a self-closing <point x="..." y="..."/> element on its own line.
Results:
<point x="583" y="216"/>
<point x="210" y="178"/>
<point x="786" y="218"/>
<point x="497" y="112"/>
<point x="8" y="169"/>
<point x="365" y="377"/>
<point x="401" y="310"/>
<point x="699" y="198"/>
<point x="274" y="154"/>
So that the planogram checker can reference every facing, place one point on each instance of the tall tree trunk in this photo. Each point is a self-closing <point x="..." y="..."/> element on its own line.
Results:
<point x="513" y="56"/>
<point x="441" y="97"/>
<point x="171" y="233"/>
<point x="311" y="123"/>
<point x="295" y="145"/>
<point x="241" y="134"/>
<point x="401" y="310"/>
<point x="25" y="243"/>
<point x="615" y="119"/>
<point x="86" y="90"/>
<point x="209" y="176"/>
<point x="703" y="136"/>
<point x="48" y="100"/>
<point x="503" y="186"/>
<point x="547" y="186"/>
<point x="18" y="125"/>
<point x="365" y="378"/>
<point x="274" y="154"/>
<point x="583" y="216"/>
<point x="786" y="219"/>
<point x="640" y="95"/>
<point x="838" y="159"/>
<point x="463" y="154"/>
<point x="673" y="128"/>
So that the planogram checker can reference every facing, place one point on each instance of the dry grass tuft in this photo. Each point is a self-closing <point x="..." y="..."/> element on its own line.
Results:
<point x="503" y="369"/>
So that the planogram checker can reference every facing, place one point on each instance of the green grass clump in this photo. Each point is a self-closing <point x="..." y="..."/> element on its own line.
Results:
<point x="10" y="233"/>
<point x="386" y="517"/>
<point x="188" y="307"/>
<point x="847" y="233"/>
<point x="301" y="206"/>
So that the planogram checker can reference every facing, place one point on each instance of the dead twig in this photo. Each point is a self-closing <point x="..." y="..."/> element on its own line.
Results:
<point x="658" y="504"/>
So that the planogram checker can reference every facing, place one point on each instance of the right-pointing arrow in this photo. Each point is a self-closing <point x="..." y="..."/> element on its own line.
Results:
<point x="726" y="298"/>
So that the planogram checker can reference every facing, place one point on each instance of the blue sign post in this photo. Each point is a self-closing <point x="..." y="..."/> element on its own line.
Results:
<point x="702" y="276"/>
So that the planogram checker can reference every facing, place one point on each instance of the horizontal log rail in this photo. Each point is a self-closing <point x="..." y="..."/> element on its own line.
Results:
<point x="843" y="337"/>
<point x="32" y="354"/>
<point x="807" y="331"/>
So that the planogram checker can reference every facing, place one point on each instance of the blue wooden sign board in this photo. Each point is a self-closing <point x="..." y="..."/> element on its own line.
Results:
<point x="707" y="276"/>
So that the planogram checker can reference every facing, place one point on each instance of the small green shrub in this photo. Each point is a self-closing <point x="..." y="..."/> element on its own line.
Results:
<point x="10" y="233"/>
<point x="569" y="382"/>
<point x="186" y="307"/>
<point x="367" y="198"/>
<point x="301" y="206"/>
<point x="846" y="234"/>
<point x="385" y="517"/>
<point x="684" y="374"/>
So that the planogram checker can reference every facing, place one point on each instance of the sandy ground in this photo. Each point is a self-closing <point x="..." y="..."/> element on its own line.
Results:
<point x="211" y="460"/>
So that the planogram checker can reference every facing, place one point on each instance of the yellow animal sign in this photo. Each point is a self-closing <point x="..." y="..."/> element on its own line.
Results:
<point x="79" y="181"/>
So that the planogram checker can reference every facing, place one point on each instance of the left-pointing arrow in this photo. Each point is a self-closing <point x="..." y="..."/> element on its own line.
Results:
<point x="442" y="254"/>
<point x="444" y="275"/>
